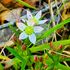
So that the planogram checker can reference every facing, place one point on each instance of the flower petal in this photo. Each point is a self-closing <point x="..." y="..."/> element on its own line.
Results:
<point x="22" y="18"/>
<point x="30" y="23"/>
<point x="29" y="15"/>
<point x="32" y="38"/>
<point x="38" y="29"/>
<point x="42" y="21"/>
<point x="38" y="15"/>
<point x="21" y="26"/>
<point x="23" y="35"/>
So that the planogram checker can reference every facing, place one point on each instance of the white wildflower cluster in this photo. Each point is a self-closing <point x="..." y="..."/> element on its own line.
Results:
<point x="32" y="27"/>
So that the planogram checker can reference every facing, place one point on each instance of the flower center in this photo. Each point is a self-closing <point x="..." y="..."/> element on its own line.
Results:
<point x="35" y="20"/>
<point x="29" y="30"/>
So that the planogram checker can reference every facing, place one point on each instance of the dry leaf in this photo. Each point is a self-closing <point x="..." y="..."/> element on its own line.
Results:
<point x="66" y="11"/>
<point x="9" y="43"/>
<point x="11" y="4"/>
<point x="10" y="15"/>
<point x="2" y="8"/>
<point x="6" y="1"/>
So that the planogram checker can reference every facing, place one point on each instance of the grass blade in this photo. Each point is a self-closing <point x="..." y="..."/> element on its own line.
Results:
<point x="25" y="4"/>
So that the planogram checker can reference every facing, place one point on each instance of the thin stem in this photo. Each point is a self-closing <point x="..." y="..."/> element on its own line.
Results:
<point x="66" y="63"/>
<point x="62" y="54"/>
<point x="52" y="17"/>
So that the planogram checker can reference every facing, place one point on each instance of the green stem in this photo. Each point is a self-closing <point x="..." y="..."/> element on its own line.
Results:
<point x="25" y="4"/>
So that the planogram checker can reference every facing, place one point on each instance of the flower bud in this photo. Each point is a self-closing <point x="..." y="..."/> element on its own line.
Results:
<point x="40" y="59"/>
<point x="23" y="47"/>
<point x="14" y="38"/>
<point x="35" y="58"/>
<point x="60" y="46"/>
<point x="51" y="44"/>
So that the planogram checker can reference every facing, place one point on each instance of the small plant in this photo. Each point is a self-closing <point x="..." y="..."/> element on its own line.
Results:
<point x="35" y="44"/>
<point x="51" y="59"/>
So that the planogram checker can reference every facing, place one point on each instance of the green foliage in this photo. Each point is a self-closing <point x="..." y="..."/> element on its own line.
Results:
<point x="14" y="52"/>
<point x="62" y="67"/>
<point x="47" y="46"/>
<point x="53" y="61"/>
<point x="14" y="30"/>
<point x="51" y="30"/>
<point x="1" y="67"/>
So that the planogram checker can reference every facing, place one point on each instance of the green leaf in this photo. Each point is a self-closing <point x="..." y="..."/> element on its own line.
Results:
<point x="28" y="52"/>
<point x="14" y="52"/>
<point x="62" y="67"/>
<point x="64" y="59"/>
<point x="47" y="46"/>
<point x="50" y="67"/>
<point x="14" y="30"/>
<point x="25" y="4"/>
<point x="51" y="30"/>
<point x="16" y="62"/>
<point x="38" y="65"/>
<point x="1" y="67"/>
<point x="22" y="66"/>
<point x="49" y="61"/>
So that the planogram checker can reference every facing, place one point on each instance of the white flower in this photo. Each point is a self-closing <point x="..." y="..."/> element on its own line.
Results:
<point x="28" y="31"/>
<point x="33" y="20"/>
